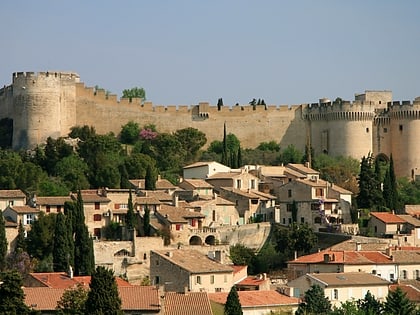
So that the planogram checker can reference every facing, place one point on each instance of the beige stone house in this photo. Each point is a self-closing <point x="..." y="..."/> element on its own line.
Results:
<point x="341" y="287"/>
<point x="96" y="208"/>
<point x="319" y="203"/>
<point x="195" y="189"/>
<point x="12" y="198"/>
<point x="161" y="184"/>
<point x="52" y="204"/>
<point x="183" y="270"/>
<point x="385" y="224"/>
<point x="21" y="214"/>
<point x="203" y="170"/>
<point x="217" y="211"/>
<point x="242" y="180"/>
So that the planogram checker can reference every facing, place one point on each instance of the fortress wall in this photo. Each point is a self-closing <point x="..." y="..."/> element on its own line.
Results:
<point x="382" y="136"/>
<point x="6" y="102"/>
<point x="251" y="127"/>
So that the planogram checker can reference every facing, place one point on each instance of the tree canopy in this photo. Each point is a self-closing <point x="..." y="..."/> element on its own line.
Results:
<point x="135" y="92"/>
<point x="233" y="305"/>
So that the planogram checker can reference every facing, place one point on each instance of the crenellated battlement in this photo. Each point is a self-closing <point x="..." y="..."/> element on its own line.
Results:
<point x="17" y="76"/>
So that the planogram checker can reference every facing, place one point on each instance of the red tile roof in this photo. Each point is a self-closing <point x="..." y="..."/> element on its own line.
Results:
<point x="60" y="280"/>
<point x="191" y="303"/>
<point x="344" y="257"/>
<point x="14" y="193"/>
<point x="24" y="209"/>
<point x="253" y="281"/>
<point x="387" y="217"/>
<point x="256" y="298"/>
<point x="413" y="294"/>
<point x="42" y="298"/>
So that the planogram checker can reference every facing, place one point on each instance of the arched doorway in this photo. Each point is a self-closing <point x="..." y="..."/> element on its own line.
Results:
<point x="210" y="240"/>
<point x="195" y="240"/>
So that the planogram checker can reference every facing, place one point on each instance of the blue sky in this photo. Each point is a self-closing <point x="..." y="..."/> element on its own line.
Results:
<point x="184" y="52"/>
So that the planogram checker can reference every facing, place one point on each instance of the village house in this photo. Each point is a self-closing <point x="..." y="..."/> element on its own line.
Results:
<point x="51" y="204"/>
<point x="241" y="180"/>
<point x="183" y="270"/>
<point x="21" y="214"/>
<point x="260" y="302"/>
<point x="385" y="224"/>
<point x="341" y="287"/>
<point x="195" y="189"/>
<point x="161" y="184"/>
<point x="203" y="170"/>
<point x="14" y="197"/>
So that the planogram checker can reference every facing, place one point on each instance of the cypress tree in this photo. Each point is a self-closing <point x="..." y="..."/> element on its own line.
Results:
<point x="239" y="156"/>
<point x="233" y="305"/>
<point x="84" y="263"/>
<point x="225" y="155"/>
<point x="131" y="219"/>
<point x="393" y="183"/>
<point x="61" y="250"/>
<point x="20" y="239"/>
<point x="150" y="179"/>
<point x="103" y="295"/>
<point x="315" y="302"/>
<point x="3" y="242"/>
<point x="146" y="221"/>
<point x="370" y="195"/>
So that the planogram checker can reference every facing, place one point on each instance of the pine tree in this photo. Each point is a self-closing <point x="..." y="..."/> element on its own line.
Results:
<point x="397" y="303"/>
<point x="315" y="302"/>
<point x="369" y="305"/>
<point x="103" y="295"/>
<point x="11" y="294"/>
<point x="370" y="196"/>
<point x="233" y="305"/>
<point x="3" y="242"/>
<point x="61" y="250"/>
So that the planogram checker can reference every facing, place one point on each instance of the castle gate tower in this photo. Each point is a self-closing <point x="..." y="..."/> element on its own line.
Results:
<point x="43" y="106"/>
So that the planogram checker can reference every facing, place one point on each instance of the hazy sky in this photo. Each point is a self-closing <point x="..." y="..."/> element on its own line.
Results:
<point x="184" y="52"/>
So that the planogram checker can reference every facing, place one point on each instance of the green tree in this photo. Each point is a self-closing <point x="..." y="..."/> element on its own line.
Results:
<point x="269" y="146"/>
<point x="135" y="92"/>
<point x="390" y="192"/>
<point x="11" y="165"/>
<point x="369" y="195"/>
<point x="233" y="305"/>
<point x="291" y="155"/>
<point x="130" y="132"/>
<point x="6" y="133"/>
<point x="3" y="242"/>
<point x="146" y="221"/>
<point x="191" y="140"/>
<point x="136" y="164"/>
<point x="83" y="133"/>
<point x="73" y="301"/>
<point x="314" y="302"/>
<point x="243" y="256"/>
<point x="20" y="238"/>
<point x="369" y="305"/>
<point x="150" y="179"/>
<point x="11" y="293"/>
<point x="348" y="308"/>
<point x="84" y="263"/>
<point x="298" y="237"/>
<point x="61" y="244"/>
<point x="225" y="157"/>
<point x="40" y="240"/>
<point x="397" y="303"/>
<point x="103" y="295"/>
<point x="131" y="218"/>
<point x="72" y="170"/>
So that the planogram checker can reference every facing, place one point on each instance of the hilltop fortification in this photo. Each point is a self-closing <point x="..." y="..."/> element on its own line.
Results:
<point x="48" y="104"/>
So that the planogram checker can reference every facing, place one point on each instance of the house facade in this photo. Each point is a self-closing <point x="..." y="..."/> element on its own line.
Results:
<point x="184" y="270"/>
<point x="12" y="198"/>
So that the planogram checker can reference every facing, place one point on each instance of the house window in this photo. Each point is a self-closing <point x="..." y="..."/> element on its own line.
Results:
<point x="404" y="274"/>
<point x="391" y="277"/>
<point x="289" y="193"/>
<point x="157" y="280"/>
<point x="302" y="220"/>
<point x="319" y="192"/>
<point x="252" y="184"/>
<point x="218" y="290"/>
<point x="47" y="208"/>
<point x="11" y="202"/>
<point x="335" y="294"/>
<point x="212" y="279"/>
<point x="97" y="217"/>
<point x="198" y="280"/>
<point x="97" y="205"/>
<point x="385" y="130"/>
<point x="238" y="183"/>
<point x="58" y="209"/>
<point x="97" y="232"/>
<point x="284" y="220"/>
<point x="193" y="222"/>
<point x="213" y="218"/>
<point x="290" y="220"/>
<point x="116" y="206"/>
<point x="315" y="206"/>
<point x="28" y="219"/>
<point x="289" y="207"/>
<point x="417" y="275"/>
<point x="178" y="227"/>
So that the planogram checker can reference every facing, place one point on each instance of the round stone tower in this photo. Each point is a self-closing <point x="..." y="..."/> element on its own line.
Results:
<point x="405" y="131"/>
<point x="341" y="128"/>
<point x="44" y="105"/>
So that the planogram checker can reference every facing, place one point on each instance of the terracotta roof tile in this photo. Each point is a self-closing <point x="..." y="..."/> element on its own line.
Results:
<point x="54" y="201"/>
<point x="191" y="303"/>
<point x="387" y="217"/>
<point x="193" y="261"/>
<point x="413" y="294"/>
<point x="197" y="183"/>
<point x="256" y="298"/>
<point x="177" y="214"/>
<point x="344" y="257"/>
<point x="348" y="279"/>
<point x="42" y="298"/>
<point x="24" y="209"/>
<point x="139" y="298"/>
<point x="13" y="193"/>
